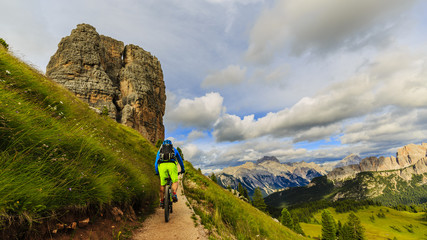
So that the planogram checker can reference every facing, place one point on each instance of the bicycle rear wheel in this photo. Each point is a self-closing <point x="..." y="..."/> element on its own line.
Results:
<point x="166" y="201"/>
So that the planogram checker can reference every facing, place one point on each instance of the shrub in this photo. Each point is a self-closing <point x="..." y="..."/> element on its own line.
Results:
<point x="3" y="42"/>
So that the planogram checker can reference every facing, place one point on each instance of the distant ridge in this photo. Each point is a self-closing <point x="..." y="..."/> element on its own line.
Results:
<point x="389" y="180"/>
<point x="269" y="175"/>
<point x="267" y="158"/>
<point x="405" y="157"/>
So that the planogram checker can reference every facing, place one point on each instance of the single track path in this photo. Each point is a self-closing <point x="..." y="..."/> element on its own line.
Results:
<point x="180" y="226"/>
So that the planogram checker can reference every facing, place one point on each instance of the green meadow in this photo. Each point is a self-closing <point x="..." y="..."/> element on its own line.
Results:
<point x="379" y="222"/>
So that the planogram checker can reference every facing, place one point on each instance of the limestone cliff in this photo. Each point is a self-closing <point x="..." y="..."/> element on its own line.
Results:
<point x="409" y="158"/>
<point x="125" y="81"/>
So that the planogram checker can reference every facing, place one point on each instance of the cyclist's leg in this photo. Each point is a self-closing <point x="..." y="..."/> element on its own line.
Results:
<point x="163" y="173"/>
<point x="173" y="171"/>
<point x="175" y="187"/>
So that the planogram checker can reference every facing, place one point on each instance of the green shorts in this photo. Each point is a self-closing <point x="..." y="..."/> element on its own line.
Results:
<point x="164" y="168"/>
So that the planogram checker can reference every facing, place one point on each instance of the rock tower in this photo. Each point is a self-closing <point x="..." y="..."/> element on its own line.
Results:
<point x="125" y="81"/>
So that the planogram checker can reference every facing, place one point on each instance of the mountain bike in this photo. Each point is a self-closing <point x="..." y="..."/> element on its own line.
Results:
<point x="168" y="198"/>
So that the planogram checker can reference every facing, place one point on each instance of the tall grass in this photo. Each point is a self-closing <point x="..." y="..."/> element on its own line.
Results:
<point x="226" y="216"/>
<point x="56" y="153"/>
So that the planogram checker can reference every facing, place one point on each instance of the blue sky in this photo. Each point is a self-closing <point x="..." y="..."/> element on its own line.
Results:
<point x="297" y="79"/>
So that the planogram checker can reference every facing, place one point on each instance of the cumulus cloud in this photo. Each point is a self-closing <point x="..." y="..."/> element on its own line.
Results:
<point x="384" y="82"/>
<point x="390" y="128"/>
<point x="200" y="112"/>
<point x="233" y="74"/>
<point x="317" y="133"/>
<point x="323" y="26"/>
<point x="195" y="134"/>
<point x="191" y="151"/>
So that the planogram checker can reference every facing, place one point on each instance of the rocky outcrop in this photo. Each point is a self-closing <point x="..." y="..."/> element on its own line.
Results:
<point x="407" y="158"/>
<point x="125" y="82"/>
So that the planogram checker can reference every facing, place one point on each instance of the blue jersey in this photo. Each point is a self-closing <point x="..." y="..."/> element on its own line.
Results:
<point x="177" y="157"/>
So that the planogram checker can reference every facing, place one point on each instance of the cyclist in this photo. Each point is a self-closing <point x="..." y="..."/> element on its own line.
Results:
<point x="166" y="165"/>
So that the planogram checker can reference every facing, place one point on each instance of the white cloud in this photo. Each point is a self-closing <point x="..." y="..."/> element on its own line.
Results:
<point x="191" y="152"/>
<point x="389" y="128"/>
<point x="194" y="135"/>
<point x="370" y="90"/>
<point x="231" y="75"/>
<point x="317" y="133"/>
<point x="323" y="26"/>
<point x="200" y="112"/>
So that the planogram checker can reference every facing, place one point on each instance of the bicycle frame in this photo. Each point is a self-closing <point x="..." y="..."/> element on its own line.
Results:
<point x="168" y="197"/>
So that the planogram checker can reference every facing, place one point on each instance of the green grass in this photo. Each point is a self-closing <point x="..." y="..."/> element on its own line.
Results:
<point x="399" y="224"/>
<point x="56" y="153"/>
<point x="226" y="216"/>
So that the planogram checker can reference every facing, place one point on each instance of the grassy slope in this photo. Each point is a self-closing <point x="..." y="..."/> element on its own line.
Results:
<point x="56" y="153"/>
<point x="380" y="228"/>
<point x="227" y="216"/>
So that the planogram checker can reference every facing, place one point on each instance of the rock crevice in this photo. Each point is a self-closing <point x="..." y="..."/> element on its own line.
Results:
<point x="127" y="81"/>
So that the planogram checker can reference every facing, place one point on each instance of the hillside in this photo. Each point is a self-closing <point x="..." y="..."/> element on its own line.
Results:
<point x="60" y="162"/>
<point x="225" y="215"/>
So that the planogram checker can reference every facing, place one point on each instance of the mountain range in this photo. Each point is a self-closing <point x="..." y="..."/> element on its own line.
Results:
<point x="269" y="175"/>
<point x="390" y="180"/>
<point x="272" y="176"/>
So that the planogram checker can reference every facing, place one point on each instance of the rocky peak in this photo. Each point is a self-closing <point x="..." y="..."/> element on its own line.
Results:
<point x="349" y="160"/>
<point x="406" y="156"/>
<point x="267" y="159"/>
<point x="127" y="81"/>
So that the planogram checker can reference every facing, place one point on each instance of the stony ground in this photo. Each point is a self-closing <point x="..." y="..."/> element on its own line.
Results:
<point x="181" y="225"/>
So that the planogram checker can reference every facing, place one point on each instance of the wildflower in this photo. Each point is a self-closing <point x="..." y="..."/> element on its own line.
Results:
<point x="61" y="102"/>
<point x="19" y="103"/>
<point x="69" y="189"/>
<point x="8" y="72"/>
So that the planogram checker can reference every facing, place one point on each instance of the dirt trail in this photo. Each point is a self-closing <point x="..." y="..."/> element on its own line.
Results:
<point x="180" y="225"/>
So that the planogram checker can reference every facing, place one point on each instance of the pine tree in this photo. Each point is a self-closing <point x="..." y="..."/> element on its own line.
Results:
<point x="356" y="229"/>
<point x="297" y="226"/>
<point x="240" y="189"/>
<point x="258" y="200"/>
<point x="328" y="226"/>
<point x="286" y="219"/>
<point x="180" y="153"/>
<point x="339" y="229"/>
<point x="345" y="232"/>
<point x="213" y="178"/>
<point x="245" y="193"/>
